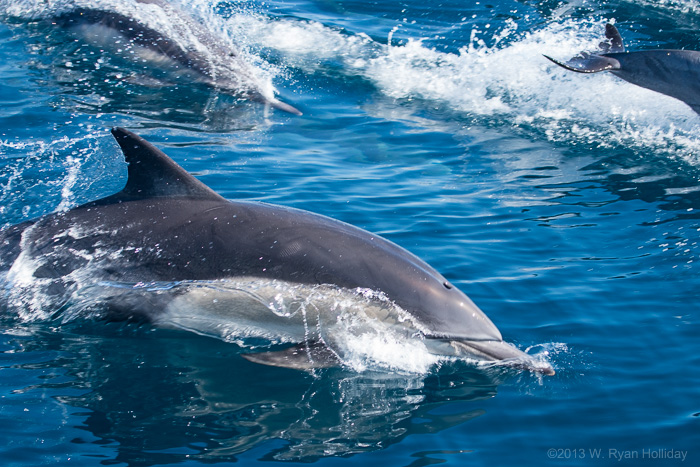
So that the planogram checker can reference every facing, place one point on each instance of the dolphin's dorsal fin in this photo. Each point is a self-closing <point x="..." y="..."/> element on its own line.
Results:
<point x="153" y="174"/>
<point x="613" y="35"/>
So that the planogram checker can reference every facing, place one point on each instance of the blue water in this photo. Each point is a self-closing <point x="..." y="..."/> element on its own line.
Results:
<point x="566" y="206"/>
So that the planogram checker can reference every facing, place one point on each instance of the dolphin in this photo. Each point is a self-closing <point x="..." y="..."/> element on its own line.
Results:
<point x="190" y="52"/>
<point x="675" y="73"/>
<point x="168" y="250"/>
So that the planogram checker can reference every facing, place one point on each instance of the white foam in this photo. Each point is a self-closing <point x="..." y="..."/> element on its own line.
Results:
<point x="674" y="6"/>
<point x="25" y="293"/>
<point x="365" y="330"/>
<point x="194" y="26"/>
<point x="509" y="82"/>
<point x="53" y="174"/>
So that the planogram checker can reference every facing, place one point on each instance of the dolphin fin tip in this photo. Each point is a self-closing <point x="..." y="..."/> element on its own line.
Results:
<point x="277" y="104"/>
<point x="588" y="63"/>
<point x="118" y="132"/>
<point x="553" y="60"/>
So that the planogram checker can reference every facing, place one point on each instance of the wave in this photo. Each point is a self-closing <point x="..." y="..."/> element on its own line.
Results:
<point x="106" y="74"/>
<point x="498" y="78"/>
<point x="507" y="82"/>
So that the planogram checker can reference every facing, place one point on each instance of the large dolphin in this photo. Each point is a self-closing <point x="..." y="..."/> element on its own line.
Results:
<point x="191" y="50"/>
<point x="169" y="250"/>
<point x="675" y="73"/>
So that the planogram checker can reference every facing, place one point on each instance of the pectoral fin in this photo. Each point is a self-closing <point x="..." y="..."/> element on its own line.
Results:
<point x="588" y="63"/>
<point x="277" y="104"/>
<point x="300" y="357"/>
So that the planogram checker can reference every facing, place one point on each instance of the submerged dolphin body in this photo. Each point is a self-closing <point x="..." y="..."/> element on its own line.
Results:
<point x="169" y="250"/>
<point x="198" y="54"/>
<point x="675" y="73"/>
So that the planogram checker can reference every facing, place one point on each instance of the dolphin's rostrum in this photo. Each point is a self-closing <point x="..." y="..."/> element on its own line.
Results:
<point x="675" y="73"/>
<point x="169" y="250"/>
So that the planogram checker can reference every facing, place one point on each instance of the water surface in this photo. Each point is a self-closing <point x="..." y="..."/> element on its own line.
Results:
<point x="566" y="206"/>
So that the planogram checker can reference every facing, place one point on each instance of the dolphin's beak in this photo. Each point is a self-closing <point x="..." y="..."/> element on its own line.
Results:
<point x="502" y="351"/>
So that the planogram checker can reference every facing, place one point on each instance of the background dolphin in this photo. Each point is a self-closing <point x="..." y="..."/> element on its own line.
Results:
<point x="202" y="57"/>
<point x="675" y="73"/>
<point x="169" y="250"/>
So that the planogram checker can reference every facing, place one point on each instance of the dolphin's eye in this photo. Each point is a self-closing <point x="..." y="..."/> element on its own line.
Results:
<point x="447" y="285"/>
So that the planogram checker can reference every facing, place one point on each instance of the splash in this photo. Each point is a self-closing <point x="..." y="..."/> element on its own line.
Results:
<point x="38" y="175"/>
<point x="675" y="6"/>
<point x="364" y="328"/>
<point x="507" y="83"/>
<point x="220" y="60"/>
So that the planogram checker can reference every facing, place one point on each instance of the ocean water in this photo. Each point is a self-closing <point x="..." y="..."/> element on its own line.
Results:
<point x="566" y="206"/>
